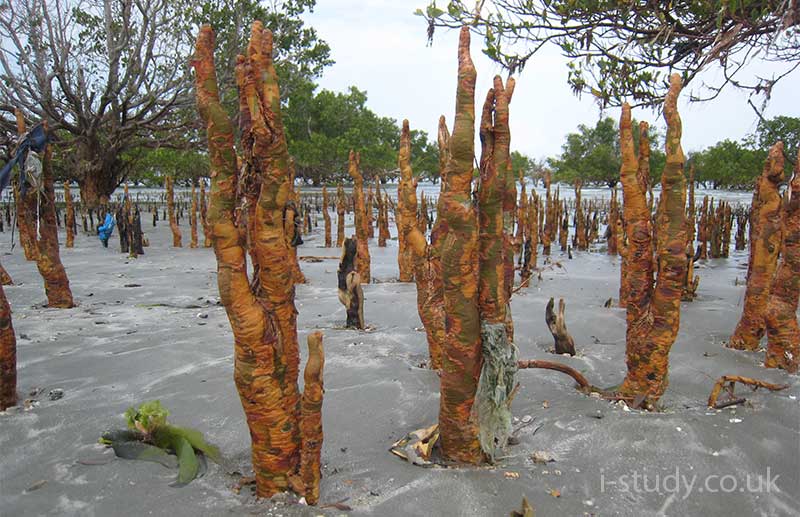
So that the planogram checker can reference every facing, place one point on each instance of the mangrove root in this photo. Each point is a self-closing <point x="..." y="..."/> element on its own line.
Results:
<point x="727" y="382"/>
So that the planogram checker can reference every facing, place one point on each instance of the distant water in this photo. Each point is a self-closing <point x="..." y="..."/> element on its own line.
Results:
<point x="566" y="191"/>
<point x="431" y="191"/>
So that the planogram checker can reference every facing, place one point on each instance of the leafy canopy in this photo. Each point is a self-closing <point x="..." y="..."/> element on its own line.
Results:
<point x="592" y="154"/>
<point x="322" y="127"/>
<point x="732" y="164"/>
<point x="624" y="50"/>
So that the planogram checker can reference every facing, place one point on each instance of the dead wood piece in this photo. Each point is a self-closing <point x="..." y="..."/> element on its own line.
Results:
<point x="728" y="382"/>
<point x="351" y="295"/>
<point x="558" y="327"/>
<point x="317" y="258"/>
<point x="525" y="511"/>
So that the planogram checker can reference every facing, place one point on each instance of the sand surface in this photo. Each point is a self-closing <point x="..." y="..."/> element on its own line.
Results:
<point x="152" y="328"/>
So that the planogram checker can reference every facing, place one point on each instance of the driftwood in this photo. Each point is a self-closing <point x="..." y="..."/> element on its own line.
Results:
<point x="558" y="327"/>
<point x="727" y="382"/>
<point x="350" y="293"/>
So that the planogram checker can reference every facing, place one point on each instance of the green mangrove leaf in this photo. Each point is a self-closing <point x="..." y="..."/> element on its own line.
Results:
<point x="166" y="436"/>
<point x="144" y="452"/>
<point x="195" y="438"/>
<point x="188" y="465"/>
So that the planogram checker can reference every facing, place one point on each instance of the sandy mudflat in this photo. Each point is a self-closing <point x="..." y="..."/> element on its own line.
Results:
<point x="125" y="345"/>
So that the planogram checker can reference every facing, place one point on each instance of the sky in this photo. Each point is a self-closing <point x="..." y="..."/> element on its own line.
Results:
<point x="380" y="46"/>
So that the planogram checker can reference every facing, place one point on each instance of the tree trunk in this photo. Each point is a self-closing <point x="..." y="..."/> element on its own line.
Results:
<point x="70" y="215"/>
<point x="56" y="283"/>
<point x="765" y="245"/>
<point x="8" y="355"/>
<point x="122" y="228"/>
<point x="130" y="231"/>
<point x="26" y="222"/>
<point x="42" y="205"/>
<point x="100" y="174"/>
<point x="173" y="222"/>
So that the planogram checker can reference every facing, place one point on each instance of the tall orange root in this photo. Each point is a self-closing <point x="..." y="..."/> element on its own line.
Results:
<point x="783" y="333"/>
<point x="360" y="212"/>
<point x="327" y="217"/>
<point x="653" y="310"/>
<point x="765" y="245"/>
<point x="262" y="313"/>
<point x="311" y="419"/>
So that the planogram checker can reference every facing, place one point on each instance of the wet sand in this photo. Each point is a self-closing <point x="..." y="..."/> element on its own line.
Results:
<point x="166" y="337"/>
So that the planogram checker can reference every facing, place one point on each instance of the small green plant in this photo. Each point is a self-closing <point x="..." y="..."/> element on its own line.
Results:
<point x="148" y="417"/>
<point x="150" y="438"/>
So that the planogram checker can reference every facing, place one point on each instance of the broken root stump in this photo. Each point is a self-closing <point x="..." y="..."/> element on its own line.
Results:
<point x="558" y="327"/>
<point x="525" y="511"/>
<point x="727" y="382"/>
<point x="350" y="293"/>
